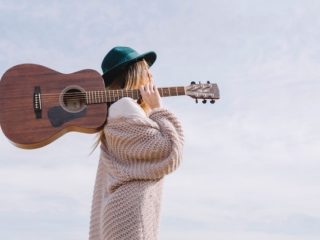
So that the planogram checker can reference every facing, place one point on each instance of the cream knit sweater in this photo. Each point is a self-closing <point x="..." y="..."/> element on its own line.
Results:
<point x="140" y="150"/>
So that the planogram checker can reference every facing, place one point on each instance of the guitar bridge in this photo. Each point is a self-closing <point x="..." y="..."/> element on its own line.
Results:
<point x="37" y="107"/>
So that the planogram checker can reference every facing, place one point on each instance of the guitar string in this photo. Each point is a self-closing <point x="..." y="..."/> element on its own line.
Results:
<point x="109" y="95"/>
<point x="97" y="97"/>
<point x="98" y="94"/>
<point x="89" y="95"/>
<point x="113" y="92"/>
<point x="106" y="98"/>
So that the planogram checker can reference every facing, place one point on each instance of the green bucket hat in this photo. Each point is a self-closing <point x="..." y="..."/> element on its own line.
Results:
<point x="118" y="58"/>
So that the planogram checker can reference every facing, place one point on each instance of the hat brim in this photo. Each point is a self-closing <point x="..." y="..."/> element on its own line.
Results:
<point x="150" y="58"/>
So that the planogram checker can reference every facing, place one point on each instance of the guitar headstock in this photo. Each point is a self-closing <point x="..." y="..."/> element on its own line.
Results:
<point x="203" y="91"/>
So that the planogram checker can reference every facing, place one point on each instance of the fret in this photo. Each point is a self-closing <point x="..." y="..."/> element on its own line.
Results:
<point x="99" y="97"/>
<point x="113" y="95"/>
<point x="182" y="91"/>
<point x="137" y="94"/>
<point x="171" y="90"/>
<point x="132" y="93"/>
<point x="87" y="102"/>
<point x="109" y="96"/>
<point x="165" y="92"/>
<point x="106" y="96"/>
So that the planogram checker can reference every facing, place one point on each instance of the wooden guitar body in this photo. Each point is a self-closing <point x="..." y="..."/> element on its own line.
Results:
<point x="38" y="104"/>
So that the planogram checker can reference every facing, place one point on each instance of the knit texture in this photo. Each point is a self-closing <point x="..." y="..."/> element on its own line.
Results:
<point x="139" y="152"/>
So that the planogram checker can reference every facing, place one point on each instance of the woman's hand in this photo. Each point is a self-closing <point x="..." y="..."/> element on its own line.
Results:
<point x="150" y="95"/>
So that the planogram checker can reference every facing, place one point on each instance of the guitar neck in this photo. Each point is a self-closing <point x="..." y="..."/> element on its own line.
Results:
<point x="94" y="97"/>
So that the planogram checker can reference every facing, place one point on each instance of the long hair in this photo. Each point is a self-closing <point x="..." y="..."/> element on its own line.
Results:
<point x="132" y="77"/>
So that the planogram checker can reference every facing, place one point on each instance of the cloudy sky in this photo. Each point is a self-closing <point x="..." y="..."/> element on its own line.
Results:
<point x="251" y="161"/>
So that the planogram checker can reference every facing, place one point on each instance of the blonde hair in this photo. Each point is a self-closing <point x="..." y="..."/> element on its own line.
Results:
<point x="130" y="78"/>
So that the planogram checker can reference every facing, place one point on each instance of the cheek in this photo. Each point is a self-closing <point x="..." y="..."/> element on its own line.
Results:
<point x="141" y="82"/>
<point x="145" y="78"/>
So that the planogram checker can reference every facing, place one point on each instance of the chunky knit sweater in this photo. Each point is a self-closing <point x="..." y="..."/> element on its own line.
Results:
<point x="140" y="150"/>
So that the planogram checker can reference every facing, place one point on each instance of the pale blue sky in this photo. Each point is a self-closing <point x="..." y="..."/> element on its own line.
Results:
<point x="251" y="161"/>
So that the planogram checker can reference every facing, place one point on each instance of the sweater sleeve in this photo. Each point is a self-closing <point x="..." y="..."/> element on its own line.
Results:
<point x="145" y="147"/>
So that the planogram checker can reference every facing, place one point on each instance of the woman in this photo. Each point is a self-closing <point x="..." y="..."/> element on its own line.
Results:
<point x="140" y="144"/>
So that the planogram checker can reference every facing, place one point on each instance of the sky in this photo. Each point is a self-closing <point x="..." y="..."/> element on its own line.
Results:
<point x="251" y="160"/>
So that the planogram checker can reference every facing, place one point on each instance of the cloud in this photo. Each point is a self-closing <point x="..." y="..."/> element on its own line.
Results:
<point x="250" y="167"/>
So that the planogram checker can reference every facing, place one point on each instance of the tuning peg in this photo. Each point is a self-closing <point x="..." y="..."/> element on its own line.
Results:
<point x="196" y="100"/>
<point x="212" y="101"/>
<point x="208" y="82"/>
<point x="193" y="82"/>
<point x="204" y="101"/>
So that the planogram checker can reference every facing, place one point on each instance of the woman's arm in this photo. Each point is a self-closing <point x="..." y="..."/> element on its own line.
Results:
<point x="145" y="147"/>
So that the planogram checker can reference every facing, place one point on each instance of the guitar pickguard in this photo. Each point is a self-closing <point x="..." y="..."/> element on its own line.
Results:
<point x="58" y="116"/>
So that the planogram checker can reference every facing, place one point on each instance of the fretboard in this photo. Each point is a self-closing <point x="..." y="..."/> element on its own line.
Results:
<point x="93" y="97"/>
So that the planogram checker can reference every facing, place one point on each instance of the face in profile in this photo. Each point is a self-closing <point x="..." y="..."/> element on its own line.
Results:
<point x="146" y="74"/>
<point x="143" y="74"/>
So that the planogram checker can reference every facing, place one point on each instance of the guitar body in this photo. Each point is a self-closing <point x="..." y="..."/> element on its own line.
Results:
<point x="38" y="104"/>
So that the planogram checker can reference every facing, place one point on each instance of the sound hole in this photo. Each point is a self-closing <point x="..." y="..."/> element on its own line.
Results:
<point x="73" y="100"/>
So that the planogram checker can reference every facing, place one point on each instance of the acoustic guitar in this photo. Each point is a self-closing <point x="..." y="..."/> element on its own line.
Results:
<point x="38" y="104"/>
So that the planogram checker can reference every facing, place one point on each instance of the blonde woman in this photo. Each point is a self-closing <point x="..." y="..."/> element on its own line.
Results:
<point x="141" y="142"/>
